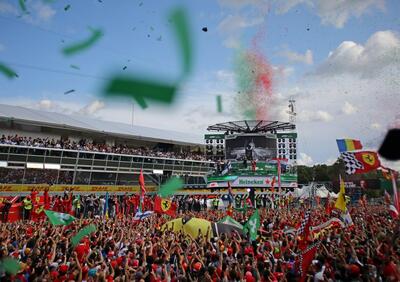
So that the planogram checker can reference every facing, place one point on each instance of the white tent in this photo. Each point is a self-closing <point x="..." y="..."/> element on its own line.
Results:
<point x="320" y="191"/>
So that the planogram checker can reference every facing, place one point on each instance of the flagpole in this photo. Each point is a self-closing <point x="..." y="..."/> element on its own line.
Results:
<point x="395" y="195"/>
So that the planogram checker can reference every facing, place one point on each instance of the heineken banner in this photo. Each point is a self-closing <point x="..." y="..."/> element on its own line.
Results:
<point x="257" y="181"/>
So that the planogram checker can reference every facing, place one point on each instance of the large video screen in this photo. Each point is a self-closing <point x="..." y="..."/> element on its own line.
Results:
<point x="250" y="147"/>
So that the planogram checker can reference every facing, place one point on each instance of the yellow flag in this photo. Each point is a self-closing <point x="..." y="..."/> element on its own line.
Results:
<point x="341" y="200"/>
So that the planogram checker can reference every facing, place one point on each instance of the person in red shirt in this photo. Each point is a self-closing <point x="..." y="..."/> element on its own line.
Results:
<point x="46" y="198"/>
<point x="57" y="204"/>
<point x="67" y="203"/>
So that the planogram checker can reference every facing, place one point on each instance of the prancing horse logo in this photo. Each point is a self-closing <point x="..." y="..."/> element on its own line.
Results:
<point x="165" y="205"/>
<point x="368" y="158"/>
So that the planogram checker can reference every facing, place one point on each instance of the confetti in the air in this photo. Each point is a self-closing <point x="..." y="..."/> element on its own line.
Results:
<point x="180" y="23"/>
<point x="140" y="4"/>
<point x="390" y="146"/>
<point x="159" y="38"/>
<point x="142" y="90"/>
<point x="10" y="265"/>
<point x="75" y="67"/>
<point x="82" y="233"/>
<point x="205" y="29"/>
<point x="81" y="46"/>
<point x="23" y="6"/>
<point x="254" y="81"/>
<point x="125" y="67"/>
<point x="170" y="187"/>
<point x="69" y="91"/>
<point x="66" y="8"/>
<point x="219" y="104"/>
<point x="7" y="71"/>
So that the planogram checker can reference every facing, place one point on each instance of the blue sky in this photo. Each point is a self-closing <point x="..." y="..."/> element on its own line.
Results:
<point x="299" y="36"/>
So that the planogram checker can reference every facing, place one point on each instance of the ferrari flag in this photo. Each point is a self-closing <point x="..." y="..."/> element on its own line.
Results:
<point x="164" y="206"/>
<point x="360" y="162"/>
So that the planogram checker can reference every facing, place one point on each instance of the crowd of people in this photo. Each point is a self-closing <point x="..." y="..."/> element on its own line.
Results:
<point x="125" y="249"/>
<point x="85" y="145"/>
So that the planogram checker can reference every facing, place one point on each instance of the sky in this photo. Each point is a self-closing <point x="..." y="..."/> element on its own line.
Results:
<point x="340" y="61"/>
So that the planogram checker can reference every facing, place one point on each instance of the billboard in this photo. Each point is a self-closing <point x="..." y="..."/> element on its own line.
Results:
<point x="250" y="147"/>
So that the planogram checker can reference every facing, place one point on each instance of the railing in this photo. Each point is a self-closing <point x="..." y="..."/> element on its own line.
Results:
<point x="88" y="164"/>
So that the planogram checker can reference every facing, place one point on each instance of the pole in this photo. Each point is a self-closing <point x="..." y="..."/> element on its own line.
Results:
<point x="133" y="108"/>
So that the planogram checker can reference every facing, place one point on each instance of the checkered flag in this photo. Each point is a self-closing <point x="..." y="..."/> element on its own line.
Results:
<point x="351" y="163"/>
<point x="305" y="259"/>
<point x="305" y="225"/>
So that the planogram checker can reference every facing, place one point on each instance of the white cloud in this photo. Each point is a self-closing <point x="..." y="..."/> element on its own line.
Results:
<point x="240" y="15"/>
<point x="237" y="4"/>
<point x="375" y="125"/>
<point x="295" y="57"/>
<point x="348" y="109"/>
<point x="37" y="11"/>
<point x="232" y="25"/>
<point x="314" y="116"/>
<point x="333" y="12"/>
<point x="46" y="104"/>
<point x="92" y="108"/>
<point x="381" y="50"/>
<point x="43" y="12"/>
<point x="305" y="160"/>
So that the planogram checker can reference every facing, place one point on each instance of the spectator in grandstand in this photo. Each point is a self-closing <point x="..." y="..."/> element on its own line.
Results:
<point x="85" y="145"/>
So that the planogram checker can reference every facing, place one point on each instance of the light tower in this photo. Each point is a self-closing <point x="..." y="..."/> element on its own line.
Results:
<point x="292" y="111"/>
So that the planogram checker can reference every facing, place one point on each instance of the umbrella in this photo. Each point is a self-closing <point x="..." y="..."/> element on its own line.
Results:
<point x="190" y="226"/>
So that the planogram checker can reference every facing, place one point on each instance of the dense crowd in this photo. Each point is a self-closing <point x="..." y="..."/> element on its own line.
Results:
<point x="123" y="249"/>
<point x="85" y="145"/>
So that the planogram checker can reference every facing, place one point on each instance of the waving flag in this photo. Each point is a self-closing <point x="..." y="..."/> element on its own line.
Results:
<point x="164" y="206"/>
<point x="252" y="225"/>
<point x="304" y="229"/>
<point x="360" y="162"/>
<point x="346" y="145"/>
<point x="142" y="190"/>
<point x="142" y="215"/>
<point x="305" y="258"/>
<point x="341" y="200"/>
<point x="59" y="218"/>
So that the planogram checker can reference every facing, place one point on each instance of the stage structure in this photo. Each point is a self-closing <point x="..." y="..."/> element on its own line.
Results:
<point x="253" y="154"/>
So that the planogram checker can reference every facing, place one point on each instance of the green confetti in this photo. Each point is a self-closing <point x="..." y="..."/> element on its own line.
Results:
<point x="23" y="6"/>
<point x="141" y="90"/>
<point x="81" y="46"/>
<point x="75" y="67"/>
<point x="219" y="103"/>
<point x="11" y="265"/>
<point x="171" y="187"/>
<point x="82" y="233"/>
<point x="7" y="71"/>
<point x="181" y="26"/>
<point x="66" y="8"/>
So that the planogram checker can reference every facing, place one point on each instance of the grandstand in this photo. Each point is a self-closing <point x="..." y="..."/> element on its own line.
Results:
<point x="47" y="148"/>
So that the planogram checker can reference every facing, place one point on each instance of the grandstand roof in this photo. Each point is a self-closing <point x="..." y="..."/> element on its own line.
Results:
<point x="84" y="123"/>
